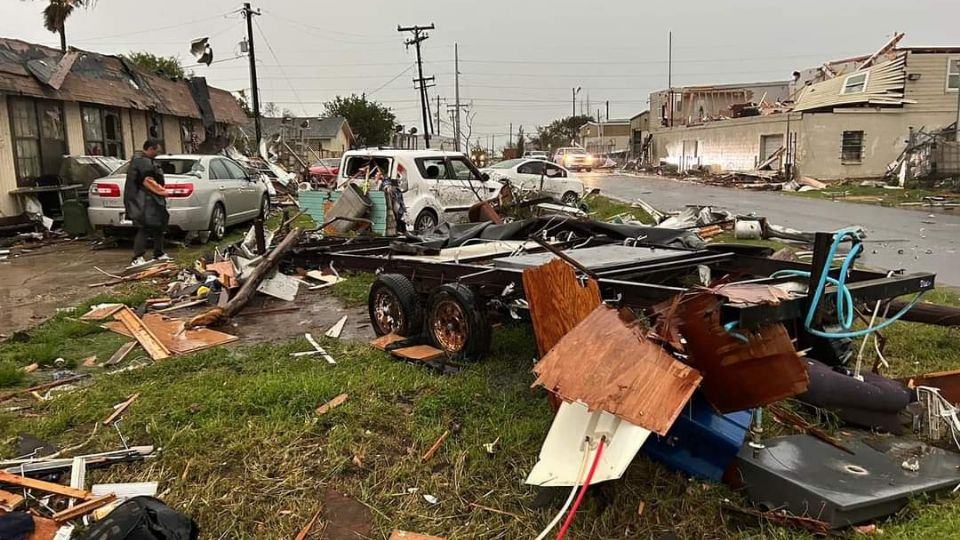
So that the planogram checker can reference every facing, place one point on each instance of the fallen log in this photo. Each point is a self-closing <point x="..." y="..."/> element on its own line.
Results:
<point x="937" y="314"/>
<point x="250" y="284"/>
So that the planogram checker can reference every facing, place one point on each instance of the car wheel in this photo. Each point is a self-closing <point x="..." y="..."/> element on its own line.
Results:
<point x="394" y="306"/>
<point x="570" y="198"/>
<point x="457" y="324"/>
<point x="425" y="221"/>
<point x="218" y="223"/>
<point x="264" y="207"/>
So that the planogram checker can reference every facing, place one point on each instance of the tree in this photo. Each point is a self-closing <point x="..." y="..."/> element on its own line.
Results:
<point x="166" y="66"/>
<point x="521" y="142"/>
<point x="57" y="12"/>
<point x="372" y="123"/>
<point x="560" y="132"/>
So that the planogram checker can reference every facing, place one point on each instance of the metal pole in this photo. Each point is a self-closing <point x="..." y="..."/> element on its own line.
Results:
<point x="956" y="136"/>
<point x="248" y="13"/>
<point x="438" y="113"/>
<point x="573" y="102"/>
<point x="419" y="37"/>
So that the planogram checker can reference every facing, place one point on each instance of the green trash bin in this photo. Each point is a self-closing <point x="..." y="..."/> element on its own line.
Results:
<point x="75" y="220"/>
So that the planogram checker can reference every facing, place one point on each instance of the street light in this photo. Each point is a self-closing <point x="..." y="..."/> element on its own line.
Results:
<point x="573" y="103"/>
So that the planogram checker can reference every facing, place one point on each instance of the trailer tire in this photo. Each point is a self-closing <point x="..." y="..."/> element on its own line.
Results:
<point x="456" y="323"/>
<point x="394" y="306"/>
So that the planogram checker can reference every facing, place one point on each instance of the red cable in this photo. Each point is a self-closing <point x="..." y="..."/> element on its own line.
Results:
<point x="583" y="491"/>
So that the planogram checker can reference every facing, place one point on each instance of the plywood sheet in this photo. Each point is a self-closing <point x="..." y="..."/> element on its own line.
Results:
<point x="118" y="327"/>
<point x="148" y="340"/>
<point x="101" y="312"/>
<point x="385" y="341"/>
<point x="739" y="375"/>
<point x="178" y="340"/>
<point x="608" y="363"/>
<point x="227" y="272"/>
<point x="420" y="353"/>
<point x="557" y="301"/>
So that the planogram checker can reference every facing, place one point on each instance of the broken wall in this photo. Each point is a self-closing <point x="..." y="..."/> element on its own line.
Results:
<point x="728" y="145"/>
<point x="885" y="134"/>
<point x="8" y="174"/>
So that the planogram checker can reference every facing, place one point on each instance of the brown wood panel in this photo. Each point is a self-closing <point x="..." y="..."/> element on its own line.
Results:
<point x="175" y="337"/>
<point x="739" y="375"/>
<point x="608" y="363"/>
<point x="10" y="501"/>
<point x="141" y="333"/>
<point x="420" y="353"/>
<point x="557" y="301"/>
<point x="383" y="342"/>
<point x="947" y="381"/>
<point x="404" y="535"/>
<point x="49" y="487"/>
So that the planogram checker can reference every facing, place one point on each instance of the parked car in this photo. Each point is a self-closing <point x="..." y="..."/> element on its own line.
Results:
<point x="437" y="186"/>
<point x="536" y="154"/>
<point x="557" y="182"/>
<point x="207" y="194"/>
<point x="324" y="172"/>
<point x="574" y="158"/>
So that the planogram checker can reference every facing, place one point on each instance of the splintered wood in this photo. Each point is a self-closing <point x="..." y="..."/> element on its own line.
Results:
<point x="148" y="340"/>
<point x="557" y="301"/>
<point x="607" y="363"/>
<point x="332" y="404"/>
<point x="739" y="374"/>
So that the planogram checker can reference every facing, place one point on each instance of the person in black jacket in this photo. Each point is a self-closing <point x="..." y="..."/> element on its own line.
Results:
<point x="144" y="199"/>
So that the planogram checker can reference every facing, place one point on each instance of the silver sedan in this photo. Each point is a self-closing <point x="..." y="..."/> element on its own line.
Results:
<point x="207" y="194"/>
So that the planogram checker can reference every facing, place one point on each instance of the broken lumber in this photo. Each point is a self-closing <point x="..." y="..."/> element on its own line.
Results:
<point x="10" y="501"/>
<point x="83" y="508"/>
<point x="148" y="340"/>
<point x="250" y="284"/>
<point x="609" y="364"/>
<point x="48" y="487"/>
<point x="152" y="272"/>
<point x="120" y="408"/>
<point x="121" y="353"/>
<point x="923" y="312"/>
<point x="41" y="387"/>
<point x="332" y="404"/>
<point x="404" y="535"/>
<point x="557" y="301"/>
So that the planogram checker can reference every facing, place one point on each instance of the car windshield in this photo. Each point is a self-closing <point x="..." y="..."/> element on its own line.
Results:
<point x="572" y="151"/>
<point x="508" y="164"/>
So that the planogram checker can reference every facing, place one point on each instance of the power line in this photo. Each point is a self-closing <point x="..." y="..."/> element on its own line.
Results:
<point x="157" y="28"/>
<point x="282" y="71"/>
<point x="384" y="85"/>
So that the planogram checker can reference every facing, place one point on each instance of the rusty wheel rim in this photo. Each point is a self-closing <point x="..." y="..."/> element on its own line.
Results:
<point x="387" y="312"/>
<point x="449" y="324"/>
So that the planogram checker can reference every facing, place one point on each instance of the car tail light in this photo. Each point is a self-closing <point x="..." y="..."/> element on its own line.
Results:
<point x="179" y="190"/>
<point x="104" y="189"/>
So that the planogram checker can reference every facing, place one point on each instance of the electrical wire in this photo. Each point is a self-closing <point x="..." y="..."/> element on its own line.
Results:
<point x="583" y="491"/>
<point x="384" y="85"/>
<point x="563" y="510"/>
<point x="283" y="72"/>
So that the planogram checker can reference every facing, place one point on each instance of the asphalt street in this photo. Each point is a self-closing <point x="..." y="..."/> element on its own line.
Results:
<point x="914" y="239"/>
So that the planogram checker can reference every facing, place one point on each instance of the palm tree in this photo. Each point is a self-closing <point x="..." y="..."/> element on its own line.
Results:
<point x="56" y="13"/>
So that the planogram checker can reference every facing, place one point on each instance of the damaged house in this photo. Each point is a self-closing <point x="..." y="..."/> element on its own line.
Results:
<point x="54" y="104"/>
<point x="850" y="118"/>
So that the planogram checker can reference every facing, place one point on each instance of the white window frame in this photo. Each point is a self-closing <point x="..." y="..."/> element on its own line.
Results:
<point x="846" y="82"/>
<point x="950" y="61"/>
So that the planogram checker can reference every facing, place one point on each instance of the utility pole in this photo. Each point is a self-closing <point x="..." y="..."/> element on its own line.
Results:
<point x="608" y="110"/>
<point x="670" y="77"/>
<point x="510" y="140"/>
<point x="248" y="13"/>
<point x="456" y="72"/>
<point x="418" y="37"/>
<point x="438" y="114"/>
<point x="575" y="91"/>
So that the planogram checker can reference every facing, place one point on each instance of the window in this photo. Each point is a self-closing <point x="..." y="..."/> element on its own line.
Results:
<point x="554" y="172"/>
<point x="179" y="166"/>
<point x="218" y="171"/>
<point x="432" y="168"/>
<point x="154" y="125"/>
<point x="234" y="170"/>
<point x="851" y="147"/>
<point x="531" y="167"/>
<point x="187" y="136"/>
<point x="953" y="74"/>
<point x="461" y="170"/>
<point x="855" y="84"/>
<point x="102" y="134"/>
<point x="39" y="142"/>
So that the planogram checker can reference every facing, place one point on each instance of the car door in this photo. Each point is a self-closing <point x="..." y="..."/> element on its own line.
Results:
<point x="249" y="200"/>
<point x="528" y="174"/>
<point x="554" y="180"/>
<point x="229" y="189"/>
<point x="464" y="183"/>
<point x="436" y="181"/>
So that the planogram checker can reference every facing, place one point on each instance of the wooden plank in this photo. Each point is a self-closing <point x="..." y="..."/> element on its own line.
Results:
<point x="10" y="501"/>
<point x="176" y="338"/>
<point x="741" y="369"/>
<point x="608" y="363"/>
<point x="48" y="487"/>
<point x="302" y="535"/>
<point x="83" y="508"/>
<point x="42" y="387"/>
<point x="102" y="312"/>
<point x="120" y="408"/>
<point x="121" y="353"/>
<point x="558" y="302"/>
<point x="383" y="342"/>
<point x="118" y="327"/>
<point x="227" y="272"/>
<point x="404" y="535"/>
<point x="141" y="333"/>
<point x="420" y="353"/>
<point x="43" y="529"/>
<point x="332" y="404"/>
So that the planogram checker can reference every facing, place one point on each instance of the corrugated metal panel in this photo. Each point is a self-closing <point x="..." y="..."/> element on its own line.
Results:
<point x="885" y="86"/>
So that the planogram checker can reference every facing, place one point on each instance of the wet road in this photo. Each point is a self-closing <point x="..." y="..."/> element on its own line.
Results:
<point x="896" y="238"/>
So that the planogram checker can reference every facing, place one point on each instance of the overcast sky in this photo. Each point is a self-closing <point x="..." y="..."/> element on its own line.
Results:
<point x="519" y="59"/>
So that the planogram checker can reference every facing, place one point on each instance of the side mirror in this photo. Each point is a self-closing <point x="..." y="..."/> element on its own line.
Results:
<point x="485" y="177"/>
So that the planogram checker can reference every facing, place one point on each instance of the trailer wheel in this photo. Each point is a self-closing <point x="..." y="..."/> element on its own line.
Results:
<point x="456" y="323"/>
<point x="394" y="306"/>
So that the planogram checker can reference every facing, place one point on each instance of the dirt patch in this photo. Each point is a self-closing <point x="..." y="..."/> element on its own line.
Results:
<point x="35" y="284"/>
<point x="346" y="519"/>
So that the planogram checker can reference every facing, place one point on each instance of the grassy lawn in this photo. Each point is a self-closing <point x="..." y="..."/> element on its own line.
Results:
<point x="603" y="208"/>
<point x="244" y="453"/>
<point x="871" y="195"/>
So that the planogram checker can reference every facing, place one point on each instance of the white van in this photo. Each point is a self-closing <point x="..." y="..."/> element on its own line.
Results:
<point x="437" y="186"/>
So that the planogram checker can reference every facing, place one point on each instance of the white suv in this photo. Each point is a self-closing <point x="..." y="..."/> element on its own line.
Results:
<point x="437" y="186"/>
